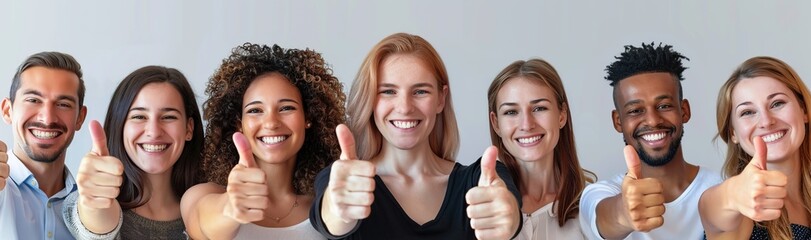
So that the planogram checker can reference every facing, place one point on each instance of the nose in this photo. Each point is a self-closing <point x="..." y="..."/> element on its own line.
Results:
<point x="766" y="119"/>
<point x="270" y="120"/>
<point x="46" y="114"/>
<point x="527" y="122"/>
<point x="652" y="118"/>
<point x="404" y="104"/>
<point x="153" y="128"/>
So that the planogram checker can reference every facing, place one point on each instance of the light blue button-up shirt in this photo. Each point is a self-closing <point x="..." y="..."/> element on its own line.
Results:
<point x="26" y="212"/>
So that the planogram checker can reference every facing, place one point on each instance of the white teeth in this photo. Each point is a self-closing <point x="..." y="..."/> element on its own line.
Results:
<point x="773" y="137"/>
<point x="154" y="147"/>
<point x="274" y="139"/>
<point x="405" y="124"/>
<point x="529" y="139"/>
<point x="654" y="136"/>
<point x="44" y="134"/>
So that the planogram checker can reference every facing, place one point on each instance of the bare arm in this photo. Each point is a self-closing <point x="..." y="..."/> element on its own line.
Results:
<point x="612" y="222"/>
<point x="201" y="200"/>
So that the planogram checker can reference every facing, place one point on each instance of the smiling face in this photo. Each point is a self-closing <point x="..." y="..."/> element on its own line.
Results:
<point x="408" y="101"/>
<point x="650" y="115"/>
<point x="764" y="107"/>
<point x="157" y="128"/>
<point x="273" y="118"/>
<point x="45" y="114"/>
<point x="528" y="119"/>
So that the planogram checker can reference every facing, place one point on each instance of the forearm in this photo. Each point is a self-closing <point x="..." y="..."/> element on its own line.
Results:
<point x="100" y="221"/>
<point x="611" y="221"/>
<point x="717" y="214"/>
<point x="212" y="222"/>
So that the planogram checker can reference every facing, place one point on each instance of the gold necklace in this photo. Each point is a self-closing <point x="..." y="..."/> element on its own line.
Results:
<point x="279" y="219"/>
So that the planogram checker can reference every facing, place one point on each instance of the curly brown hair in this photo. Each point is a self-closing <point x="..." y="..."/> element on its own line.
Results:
<point x="321" y="93"/>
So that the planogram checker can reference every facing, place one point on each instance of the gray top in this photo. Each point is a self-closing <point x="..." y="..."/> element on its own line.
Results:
<point x="136" y="227"/>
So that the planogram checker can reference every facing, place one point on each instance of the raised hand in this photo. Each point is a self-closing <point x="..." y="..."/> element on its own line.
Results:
<point x="4" y="170"/>
<point x="351" y="182"/>
<point x="246" y="190"/>
<point x="100" y="175"/>
<point x="757" y="192"/>
<point x="492" y="208"/>
<point x="642" y="197"/>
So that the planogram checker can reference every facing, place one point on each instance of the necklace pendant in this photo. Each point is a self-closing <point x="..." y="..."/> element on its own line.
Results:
<point x="277" y="219"/>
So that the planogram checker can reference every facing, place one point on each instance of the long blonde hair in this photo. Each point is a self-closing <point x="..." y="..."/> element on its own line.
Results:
<point x="737" y="158"/>
<point x="572" y="178"/>
<point x="444" y="138"/>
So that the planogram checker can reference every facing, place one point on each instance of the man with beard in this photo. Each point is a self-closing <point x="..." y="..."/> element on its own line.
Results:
<point x="649" y="112"/>
<point x="44" y="108"/>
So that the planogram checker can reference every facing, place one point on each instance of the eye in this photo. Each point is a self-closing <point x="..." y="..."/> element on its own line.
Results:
<point x="664" y="106"/>
<point x="170" y="117"/>
<point x="745" y="113"/>
<point x="420" y="92"/>
<point x="539" y="109"/>
<point x="635" y="111"/>
<point x="32" y="100"/>
<point x="509" y="112"/>
<point x="253" y="110"/>
<point x="287" y="108"/>
<point x="388" y="92"/>
<point x="138" y="117"/>
<point x="778" y="103"/>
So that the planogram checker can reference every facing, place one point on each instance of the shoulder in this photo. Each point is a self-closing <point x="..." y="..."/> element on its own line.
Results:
<point x="196" y="192"/>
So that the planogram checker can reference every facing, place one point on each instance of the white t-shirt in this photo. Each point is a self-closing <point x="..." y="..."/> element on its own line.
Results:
<point x="681" y="219"/>
<point x="543" y="224"/>
<point x="302" y="230"/>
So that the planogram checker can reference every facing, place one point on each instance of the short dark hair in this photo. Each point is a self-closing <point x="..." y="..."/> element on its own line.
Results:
<point x="646" y="59"/>
<point x="55" y="60"/>
<point x="186" y="170"/>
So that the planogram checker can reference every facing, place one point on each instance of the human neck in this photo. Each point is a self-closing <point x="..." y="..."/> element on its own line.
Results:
<point x="675" y="176"/>
<point x="279" y="178"/>
<point x="50" y="176"/>
<point x="419" y="160"/>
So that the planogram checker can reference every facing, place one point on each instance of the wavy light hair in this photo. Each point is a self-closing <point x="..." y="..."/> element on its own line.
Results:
<point x="737" y="158"/>
<point x="444" y="138"/>
<point x="572" y="178"/>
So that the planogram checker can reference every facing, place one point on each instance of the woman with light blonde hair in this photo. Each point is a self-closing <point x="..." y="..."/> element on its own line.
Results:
<point x="763" y="117"/>
<point x="404" y="182"/>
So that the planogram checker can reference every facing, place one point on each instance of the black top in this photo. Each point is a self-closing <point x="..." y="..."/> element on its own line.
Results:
<point x="799" y="231"/>
<point x="388" y="220"/>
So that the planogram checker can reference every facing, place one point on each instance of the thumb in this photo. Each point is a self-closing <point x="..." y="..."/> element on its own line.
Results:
<point x="632" y="162"/>
<point x="347" y="142"/>
<point x="244" y="150"/>
<point x="99" y="139"/>
<point x="488" y="165"/>
<point x="759" y="159"/>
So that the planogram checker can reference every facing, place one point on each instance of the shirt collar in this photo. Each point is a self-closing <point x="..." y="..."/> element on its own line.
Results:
<point x="20" y="174"/>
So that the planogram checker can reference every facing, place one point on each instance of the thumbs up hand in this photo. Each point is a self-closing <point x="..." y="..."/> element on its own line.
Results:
<point x="349" y="194"/>
<point x="100" y="175"/>
<point x="642" y="197"/>
<point x="247" y="192"/>
<point x="4" y="169"/>
<point x="492" y="208"/>
<point x="757" y="192"/>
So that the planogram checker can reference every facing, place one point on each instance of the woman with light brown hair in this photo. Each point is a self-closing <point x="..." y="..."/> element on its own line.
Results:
<point x="763" y="112"/>
<point x="404" y="182"/>
<point x="531" y="125"/>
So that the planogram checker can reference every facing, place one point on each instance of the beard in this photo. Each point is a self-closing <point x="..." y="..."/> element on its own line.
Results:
<point x="663" y="160"/>
<point x="44" y="153"/>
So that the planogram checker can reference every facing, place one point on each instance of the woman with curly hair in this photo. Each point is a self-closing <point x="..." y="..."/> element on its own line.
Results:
<point x="404" y="182"/>
<point x="271" y="114"/>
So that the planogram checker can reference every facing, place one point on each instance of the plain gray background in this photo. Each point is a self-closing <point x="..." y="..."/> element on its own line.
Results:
<point x="476" y="39"/>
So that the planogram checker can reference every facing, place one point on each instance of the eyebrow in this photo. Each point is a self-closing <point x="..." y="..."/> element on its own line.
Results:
<point x="280" y="100"/>
<point x="162" y="109"/>
<point x="418" y="85"/>
<point x="637" y="101"/>
<point x="531" y="102"/>
<point x="768" y="98"/>
<point x="59" y="97"/>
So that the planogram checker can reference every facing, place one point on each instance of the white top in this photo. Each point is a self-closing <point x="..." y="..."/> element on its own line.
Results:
<point x="681" y="219"/>
<point x="301" y="231"/>
<point x="25" y="211"/>
<point x="543" y="224"/>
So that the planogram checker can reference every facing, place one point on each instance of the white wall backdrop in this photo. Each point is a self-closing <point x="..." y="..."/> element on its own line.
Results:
<point x="476" y="39"/>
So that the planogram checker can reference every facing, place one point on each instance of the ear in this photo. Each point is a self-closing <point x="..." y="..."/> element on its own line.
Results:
<point x="564" y="115"/>
<point x="732" y="137"/>
<point x="189" y="129"/>
<point x="685" y="111"/>
<point x="81" y="117"/>
<point x="494" y="123"/>
<point x="6" y="107"/>
<point x="615" y="117"/>
<point x="442" y="97"/>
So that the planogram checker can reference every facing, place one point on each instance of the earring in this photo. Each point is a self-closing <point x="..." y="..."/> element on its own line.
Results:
<point x="309" y="124"/>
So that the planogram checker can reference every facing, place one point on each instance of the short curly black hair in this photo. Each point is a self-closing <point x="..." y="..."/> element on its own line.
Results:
<point x="321" y="93"/>
<point x="646" y="59"/>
